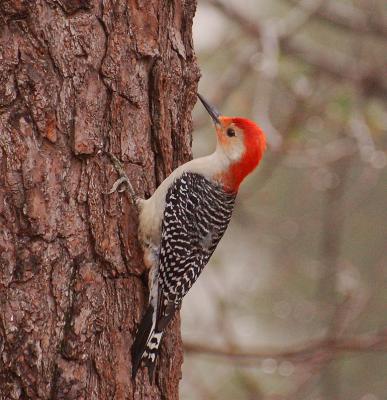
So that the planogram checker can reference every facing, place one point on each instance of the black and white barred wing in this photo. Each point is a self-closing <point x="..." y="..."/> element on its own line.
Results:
<point x="196" y="215"/>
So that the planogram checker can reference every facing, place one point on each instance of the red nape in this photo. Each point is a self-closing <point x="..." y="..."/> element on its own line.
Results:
<point x="255" y="146"/>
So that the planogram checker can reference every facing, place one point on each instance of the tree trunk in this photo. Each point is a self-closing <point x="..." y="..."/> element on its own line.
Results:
<point x="78" y="78"/>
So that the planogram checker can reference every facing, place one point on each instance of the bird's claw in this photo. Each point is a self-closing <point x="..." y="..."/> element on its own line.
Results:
<point x="116" y="185"/>
<point x="123" y="179"/>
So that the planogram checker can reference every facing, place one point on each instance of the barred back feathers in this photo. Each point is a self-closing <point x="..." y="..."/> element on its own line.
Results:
<point x="196" y="215"/>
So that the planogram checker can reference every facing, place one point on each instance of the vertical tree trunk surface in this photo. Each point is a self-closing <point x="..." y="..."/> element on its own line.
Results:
<point x="78" y="78"/>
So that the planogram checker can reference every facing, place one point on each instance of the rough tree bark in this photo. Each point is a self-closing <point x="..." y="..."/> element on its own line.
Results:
<point x="78" y="78"/>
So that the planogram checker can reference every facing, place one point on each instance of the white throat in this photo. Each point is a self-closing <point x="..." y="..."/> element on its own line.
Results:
<point x="233" y="152"/>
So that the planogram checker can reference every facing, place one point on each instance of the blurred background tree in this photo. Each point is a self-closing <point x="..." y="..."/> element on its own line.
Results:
<point x="294" y="303"/>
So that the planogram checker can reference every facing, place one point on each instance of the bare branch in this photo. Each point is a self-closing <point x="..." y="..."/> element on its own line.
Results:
<point x="346" y="16"/>
<point x="230" y="80"/>
<point x="338" y="66"/>
<point x="374" y="341"/>
<point x="299" y="16"/>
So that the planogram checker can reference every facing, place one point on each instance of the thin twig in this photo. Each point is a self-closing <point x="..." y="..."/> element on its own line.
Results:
<point x="339" y="66"/>
<point x="346" y="16"/>
<point x="371" y="342"/>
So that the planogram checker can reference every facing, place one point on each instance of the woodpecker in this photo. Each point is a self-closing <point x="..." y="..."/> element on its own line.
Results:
<point x="181" y="224"/>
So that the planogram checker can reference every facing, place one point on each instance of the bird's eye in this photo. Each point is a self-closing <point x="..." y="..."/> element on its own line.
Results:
<point x="230" y="132"/>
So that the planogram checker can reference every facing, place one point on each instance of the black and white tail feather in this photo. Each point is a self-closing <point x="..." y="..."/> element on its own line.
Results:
<point x="196" y="215"/>
<point x="148" y="339"/>
<point x="140" y="346"/>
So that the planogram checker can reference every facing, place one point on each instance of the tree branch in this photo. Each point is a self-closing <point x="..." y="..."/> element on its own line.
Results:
<point x="338" y="66"/>
<point x="347" y="17"/>
<point x="375" y="341"/>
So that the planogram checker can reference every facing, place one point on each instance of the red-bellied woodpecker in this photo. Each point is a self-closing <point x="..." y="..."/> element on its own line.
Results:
<point x="182" y="223"/>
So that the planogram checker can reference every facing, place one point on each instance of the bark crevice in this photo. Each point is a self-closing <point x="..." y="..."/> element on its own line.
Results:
<point x="77" y="79"/>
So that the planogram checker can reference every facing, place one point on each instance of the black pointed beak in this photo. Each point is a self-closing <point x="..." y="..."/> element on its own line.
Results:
<point x="214" y="113"/>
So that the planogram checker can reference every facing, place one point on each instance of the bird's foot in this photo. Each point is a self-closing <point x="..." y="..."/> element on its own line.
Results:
<point x="118" y="185"/>
<point x="122" y="183"/>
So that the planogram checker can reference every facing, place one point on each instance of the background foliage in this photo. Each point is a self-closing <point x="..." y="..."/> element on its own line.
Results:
<point x="293" y="303"/>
